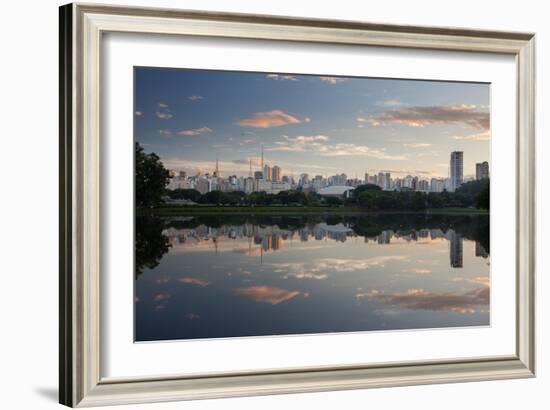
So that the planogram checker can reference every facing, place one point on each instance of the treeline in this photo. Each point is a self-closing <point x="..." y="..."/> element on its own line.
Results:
<point x="370" y="197"/>
<point x="242" y="198"/>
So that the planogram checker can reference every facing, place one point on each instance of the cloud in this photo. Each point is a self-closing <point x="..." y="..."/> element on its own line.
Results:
<point x="195" y="97"/>
<point x="161" y="296"/>
<point x="418" y="145"/>
<point x="392" y="102"/>
<point x="165" y="133"/>
<point x="307" y="120"/>
<point x="306" y="138"/>
<point x="421" y="116"/>
<point x="255" y="161"/>
<point x="164" y="115"/>
<point x="418" y="270"/>
<point x="478" y="280"/>
<point x="351" y="265"/>
<point x="247" y="141"/>
<point x="138" y="113"/>
<point x="482" y="136"/>
<point x="268" y="294"/>
<point x="194" y="132"/>
<point x="162" y="105"/>
<point x="316" y="144"/>
<point x="194" y="281"/>
<point x="420" y="299"/>
<point x="331" y="80"/>
<point x="269" y="119"/>
<point x="193" y="316"/>
<point x="281" y="77"/>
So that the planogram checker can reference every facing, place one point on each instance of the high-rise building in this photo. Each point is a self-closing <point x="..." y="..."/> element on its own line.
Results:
<point x="456" y="248"/>
<point x="437" y="185"/>
<point x="482" y="170"/>
<point x="380" y="179"/>
<point x="456" y="169"/>
<point x="267" y="172"/>
<point x="414" y="183"/>
<point x="423" y="185"/>
<point x="276" y="173"/>
<point x="366" y="177"/>
<point x="387" y="181"/>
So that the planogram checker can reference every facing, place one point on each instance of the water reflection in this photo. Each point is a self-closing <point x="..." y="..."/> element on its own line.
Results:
<point x="229" y="276"/>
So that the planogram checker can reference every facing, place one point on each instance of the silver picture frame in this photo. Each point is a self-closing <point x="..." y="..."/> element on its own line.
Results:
<point x="81" y="30"/>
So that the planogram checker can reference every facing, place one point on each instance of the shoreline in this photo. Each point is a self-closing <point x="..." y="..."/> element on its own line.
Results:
<point x="294" y="210"/>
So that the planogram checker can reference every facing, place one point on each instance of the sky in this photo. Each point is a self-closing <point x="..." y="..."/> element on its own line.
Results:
<point x="311" y="124"/>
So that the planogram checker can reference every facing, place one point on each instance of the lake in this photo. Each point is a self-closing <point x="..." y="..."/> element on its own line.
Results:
<point x="216" y="276"/>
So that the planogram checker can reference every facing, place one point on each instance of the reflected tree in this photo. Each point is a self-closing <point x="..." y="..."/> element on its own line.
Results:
<point x="150" y="243"/>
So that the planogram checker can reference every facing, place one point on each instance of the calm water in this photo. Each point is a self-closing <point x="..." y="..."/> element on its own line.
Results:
<point x="230" y="276"/>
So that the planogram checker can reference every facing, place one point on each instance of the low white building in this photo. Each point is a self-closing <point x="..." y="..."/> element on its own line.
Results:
<point x="336" y="191"/>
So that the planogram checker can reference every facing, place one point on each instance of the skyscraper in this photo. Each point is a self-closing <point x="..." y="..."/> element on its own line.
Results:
<point x="456" y="169"/>
<point x="276" y="173"/>
<point x="267" y="172"/>
<point x="456" y="248"/>
<point x="482" y="170"/>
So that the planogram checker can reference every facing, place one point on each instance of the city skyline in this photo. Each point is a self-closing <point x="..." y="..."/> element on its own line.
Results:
<point x="201" y="121"/>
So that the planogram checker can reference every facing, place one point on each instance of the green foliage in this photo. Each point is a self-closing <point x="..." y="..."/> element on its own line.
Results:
<point x="369" y="197"/>
<point x="151" y="178"/>
<point x="179" y="193"/>
<point x="483" y="200"/>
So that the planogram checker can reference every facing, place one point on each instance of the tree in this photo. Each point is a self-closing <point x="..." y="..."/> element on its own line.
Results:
<point x="483" y="200"/>
<point x="151" y="178"/>
<point x="150" y="243"/>
<point x="189" y="194"/>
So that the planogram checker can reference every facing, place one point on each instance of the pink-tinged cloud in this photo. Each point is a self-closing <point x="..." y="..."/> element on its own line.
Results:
<point x="268" y="294"/>
<point x="138" y="113"/>
<point x="421" y="116"/>
<point x="420" y="299"/>
<point x="269" y="119"/>
<point x="195" y="132"/>
<point x="418" y="145"/>
<point x="195" y="97"/>
<point x="163" y="115"/>
<point x="482" y="136"/>
<point x="194" y="281"/>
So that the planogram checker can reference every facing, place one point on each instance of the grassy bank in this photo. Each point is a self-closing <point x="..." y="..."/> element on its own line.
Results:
<point x="176" y="210"/>
<point x="458" y="211"/>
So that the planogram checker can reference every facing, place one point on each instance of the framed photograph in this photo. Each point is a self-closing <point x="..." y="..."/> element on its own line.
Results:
<point x="258" y="205"/>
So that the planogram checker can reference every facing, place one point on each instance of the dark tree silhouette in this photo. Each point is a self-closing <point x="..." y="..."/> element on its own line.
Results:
<point x="150" y="243"/>
<point x="484" y="198"/>
<point x="151" y="178"/>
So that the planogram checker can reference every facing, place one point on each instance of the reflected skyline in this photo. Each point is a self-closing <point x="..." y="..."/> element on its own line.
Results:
<point x="263" y="275"/>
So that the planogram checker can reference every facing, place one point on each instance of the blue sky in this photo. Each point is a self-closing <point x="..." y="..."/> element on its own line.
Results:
<point x="309" y="124"/>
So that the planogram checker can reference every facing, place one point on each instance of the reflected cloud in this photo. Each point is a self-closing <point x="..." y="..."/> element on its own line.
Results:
<point x="420" y="271"/>
<point x="194" y="281"/>
<point x="268" y="294"/>
<point x="478" y="280"/>
<point x="420" y="299"/>
<point x="350" y="265"/>
<point x="161" y="296"/>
